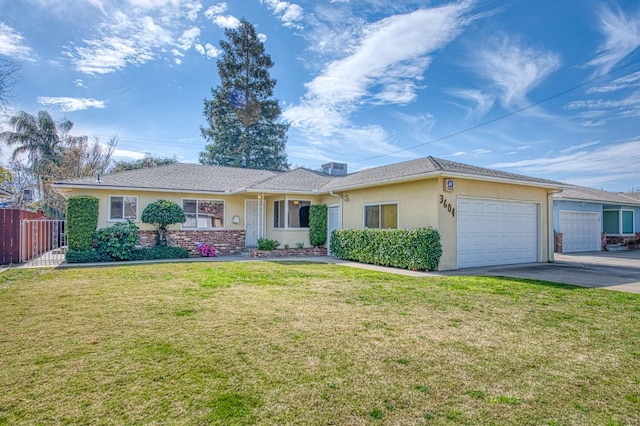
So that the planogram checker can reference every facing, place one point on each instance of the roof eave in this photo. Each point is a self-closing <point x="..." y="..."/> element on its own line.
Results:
<point x="135" y="188"/>
<point x="440" y="173"/>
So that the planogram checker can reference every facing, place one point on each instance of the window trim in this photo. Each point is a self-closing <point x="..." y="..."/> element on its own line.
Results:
<point x="199" y="228"/>
<point x="380" y="204"/>
<point x="286" y="226"/>
<point x="621" y="221"/>
<point x="110" y="219"/>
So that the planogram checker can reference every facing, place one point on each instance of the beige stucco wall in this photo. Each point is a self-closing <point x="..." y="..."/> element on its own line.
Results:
<point x="289" y="236"/>
<point x="234" y="205"/>
<point x="419" y="205"/>
<point x="447" y="223"/>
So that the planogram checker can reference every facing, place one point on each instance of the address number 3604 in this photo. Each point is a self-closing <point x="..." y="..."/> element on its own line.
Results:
<point x="447" y="206"/>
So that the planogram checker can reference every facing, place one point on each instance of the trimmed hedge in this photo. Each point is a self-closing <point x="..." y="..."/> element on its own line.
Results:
<point x="86" y="256"/>
<point x="82" y="220"/>
<point x="160" y="252"/>
<point x="118" y="241"/>
<point x="318" y="224"/>
<point x="417" y="249"/>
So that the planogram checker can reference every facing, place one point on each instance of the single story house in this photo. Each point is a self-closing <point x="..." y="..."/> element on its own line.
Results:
<point x="587" y="219"/>
<point x="484" y="216"/>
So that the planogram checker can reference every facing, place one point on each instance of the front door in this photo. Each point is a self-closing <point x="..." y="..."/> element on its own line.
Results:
<point x="253" y="223"/>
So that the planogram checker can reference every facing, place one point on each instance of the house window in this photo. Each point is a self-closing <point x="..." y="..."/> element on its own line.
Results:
<point x="205" y="214"/>
<point x="618" y="222"/>
<point x="383" y="216"/>
<point x="278" y="214"/>
<point x="123" y="208"/>
<point x="296" y="213"/>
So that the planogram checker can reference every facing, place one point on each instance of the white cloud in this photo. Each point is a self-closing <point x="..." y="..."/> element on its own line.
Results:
<point x="211" y="51"/>
<point x="289" y="13"/>
<point x="67" y="104"/>
<point x="214" y="14"/>
<point x="229" y="21"/>
<point x="622" y="36"/>
<point x="217" y="9"/>
<point x="512" y="69"/>
<point x="12" y="45"/>
<point x="482" y="101"/>
<point x="631" y="80"/>
<point x="383" y="66"/>
<point x="79" y="83"/>
<point x="579" y="146"/>
<point x="121" y="154"/>
<point x="188" y="38"/>
<point x="628" y="106"/>
<point x="191" y="9"/>
<point x="614" y="162"/>
<point x="127" y="40"/>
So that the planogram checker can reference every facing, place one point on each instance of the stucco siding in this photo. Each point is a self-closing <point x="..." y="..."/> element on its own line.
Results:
<point x="447" y="222"/>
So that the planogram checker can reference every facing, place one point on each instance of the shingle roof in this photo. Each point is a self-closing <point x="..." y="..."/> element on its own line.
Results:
<point x="178" y="177"/>
<point x="574" y="192"/>
<point x="424" y="167"/>
<point x="634" y="195"/>
<point x="297" y="180"/>
<point x="218" y="179"/>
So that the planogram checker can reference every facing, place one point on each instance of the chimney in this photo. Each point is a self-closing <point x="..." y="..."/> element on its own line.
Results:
<point x="335" y="169"/>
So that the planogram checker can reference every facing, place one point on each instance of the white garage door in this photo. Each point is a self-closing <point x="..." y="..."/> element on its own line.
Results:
<point x="494" y="232"/>
<point x="580" y="231"/>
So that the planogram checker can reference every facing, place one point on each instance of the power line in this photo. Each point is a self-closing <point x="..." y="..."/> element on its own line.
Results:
<point x="509" y="114"/>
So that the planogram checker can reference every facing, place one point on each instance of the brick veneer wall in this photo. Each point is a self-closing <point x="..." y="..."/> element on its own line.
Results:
<point x="611" y="239"/>
<point x="225" y="242"/>
<point x="290" y="252"/>
<point x="559" y="242"/>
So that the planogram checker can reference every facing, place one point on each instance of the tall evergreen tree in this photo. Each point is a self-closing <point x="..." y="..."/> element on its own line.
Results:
<point x="243" y="128"/>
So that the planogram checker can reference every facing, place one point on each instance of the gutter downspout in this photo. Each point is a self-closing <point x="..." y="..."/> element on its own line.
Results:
<point x="550" y="231"/>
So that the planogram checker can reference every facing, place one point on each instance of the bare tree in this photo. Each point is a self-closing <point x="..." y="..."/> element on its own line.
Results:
<point x="8" y="79"/>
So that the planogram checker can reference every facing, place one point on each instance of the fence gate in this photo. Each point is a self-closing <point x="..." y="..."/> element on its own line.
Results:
<point x="42" y="241"/>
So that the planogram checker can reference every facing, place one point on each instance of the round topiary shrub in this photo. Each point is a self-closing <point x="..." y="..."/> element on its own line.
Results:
<point x="161" y="214"/>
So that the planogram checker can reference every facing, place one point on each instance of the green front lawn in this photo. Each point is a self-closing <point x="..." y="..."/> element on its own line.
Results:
<point x="277" y="343"/>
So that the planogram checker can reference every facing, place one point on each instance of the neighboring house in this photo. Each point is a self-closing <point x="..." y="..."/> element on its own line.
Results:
<point x="5" y="198"/>
<point x="484" y="216"/>
<point x="587" y="219"/>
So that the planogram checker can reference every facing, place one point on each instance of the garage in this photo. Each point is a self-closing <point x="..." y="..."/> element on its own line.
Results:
<point x="580" y="231"/>
<point x="497" y="232"/>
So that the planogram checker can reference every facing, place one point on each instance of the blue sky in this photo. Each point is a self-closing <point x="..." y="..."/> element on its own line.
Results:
<point x="544" y="88"/>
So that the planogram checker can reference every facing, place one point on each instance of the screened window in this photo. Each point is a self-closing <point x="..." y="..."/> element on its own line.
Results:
<point x="203" y="213"/>
<point x="383" y="216"/>
<point x="123" y="208"/>
<point x="616" y="222"/>
<point x="291" y="213"/>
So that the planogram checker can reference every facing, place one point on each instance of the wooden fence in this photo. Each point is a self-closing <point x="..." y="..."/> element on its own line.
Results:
<point x="10" y="243"/>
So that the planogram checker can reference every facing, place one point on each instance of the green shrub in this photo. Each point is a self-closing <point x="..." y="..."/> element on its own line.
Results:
<point x="161" y="214"/>
<point x="318" y="224"/>
<point x="118" y="241"/>
<point x="160" y="252"/>
<point x="265" y="244"/>
<point x="82" y="220"/>
<point x="418" y="249"/>
<point x="85" y="256"/>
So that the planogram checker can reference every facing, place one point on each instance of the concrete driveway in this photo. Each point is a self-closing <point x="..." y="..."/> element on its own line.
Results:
<point x="610" y="270"/>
